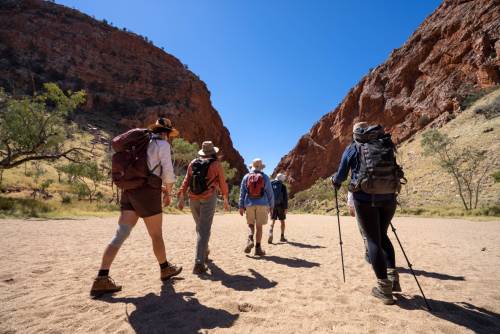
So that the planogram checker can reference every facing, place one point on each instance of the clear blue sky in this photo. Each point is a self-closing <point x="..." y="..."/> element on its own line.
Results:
<point x="274" y="67"/>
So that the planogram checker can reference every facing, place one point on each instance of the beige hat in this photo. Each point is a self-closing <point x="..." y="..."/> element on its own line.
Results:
<point x="281" y="177"/>
<point x="257" y="164"/>
<point x="208" y="149"/>
<point x="359" y="125"/>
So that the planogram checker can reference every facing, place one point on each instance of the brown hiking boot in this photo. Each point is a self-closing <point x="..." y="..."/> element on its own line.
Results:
<point x="199" y="269"/>
<point x="170" y="271"/>
<point x="103" y="285"/>
<point x="393" y="276"/>
<point x="383" y="291"/>
<point x="259" y="251"/>
<point x="249" y="246"/>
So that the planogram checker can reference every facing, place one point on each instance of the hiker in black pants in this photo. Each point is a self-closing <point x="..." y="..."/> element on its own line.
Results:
<point x="280" y="206"/>
<point x="375" y="180"/>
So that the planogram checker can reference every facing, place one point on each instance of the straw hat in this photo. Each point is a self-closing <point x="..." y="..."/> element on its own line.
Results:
<point x="164" y="125"/>
<point x="208" y="149"/>
<point x="257" y="164"/>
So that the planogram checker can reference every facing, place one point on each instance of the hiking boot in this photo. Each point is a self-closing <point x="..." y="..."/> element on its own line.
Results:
<point x="283" y="239"/>
<point x="393" y="276"/>
<point x="249" y="246"/>
<point x="259" y="251"/>
<point x="103" y="285"/>
<point x="383" y="291"/>
<point x="199" y="269"/>
<point x="170" y="271"/>
<point x="270" y="239"/>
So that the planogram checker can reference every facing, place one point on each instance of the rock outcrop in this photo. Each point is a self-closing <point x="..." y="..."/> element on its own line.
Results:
<point x="128" y="80"/>
<point x="454" y="52"/>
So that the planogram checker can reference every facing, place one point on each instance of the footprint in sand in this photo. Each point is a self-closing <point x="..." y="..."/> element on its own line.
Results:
<point x="245" y="307"/>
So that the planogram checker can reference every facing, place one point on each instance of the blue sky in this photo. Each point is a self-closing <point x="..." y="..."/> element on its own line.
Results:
<point x="274" y="67"/>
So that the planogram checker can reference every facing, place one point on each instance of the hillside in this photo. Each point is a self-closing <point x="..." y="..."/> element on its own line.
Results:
<point x="454" y="53"/>
<point x="128" y="80"/>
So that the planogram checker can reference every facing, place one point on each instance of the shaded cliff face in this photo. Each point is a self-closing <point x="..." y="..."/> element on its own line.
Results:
<point x="129" y="81"/>
<point x="456" y="50"/>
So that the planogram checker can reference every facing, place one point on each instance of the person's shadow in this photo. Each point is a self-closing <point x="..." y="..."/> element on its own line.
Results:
<point x="172" y="312"/>
<point x="477" y="319"/>
<point x="431" y="274"/>
<point x="238" y="282"/>
<point x="301" y="245"/>
<point x="290" y="262"/>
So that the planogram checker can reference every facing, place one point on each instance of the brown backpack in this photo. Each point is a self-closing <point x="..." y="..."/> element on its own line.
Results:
<point x="129" y="163"/>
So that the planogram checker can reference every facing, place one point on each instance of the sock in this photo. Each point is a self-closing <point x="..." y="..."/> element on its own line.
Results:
<point x="257" y="245"/>
<point x="282" y="234"/>
<point x="103" y="273"/>
<point x="164" y="265"/>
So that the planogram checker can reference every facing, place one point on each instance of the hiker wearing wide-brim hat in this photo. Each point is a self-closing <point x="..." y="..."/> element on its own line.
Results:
<point x="257" y="201"/>
<point x="144" y="199"/>
<point x="280" y="206"/>
<point x="203" y="181"/>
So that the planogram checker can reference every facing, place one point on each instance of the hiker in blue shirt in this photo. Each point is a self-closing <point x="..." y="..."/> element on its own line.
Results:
<point x="257" y="201"/>
<point x="280" y="206"/>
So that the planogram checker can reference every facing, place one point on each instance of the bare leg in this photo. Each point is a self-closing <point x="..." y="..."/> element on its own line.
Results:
<point x="258" y="234"/>
<point x="282" y="227"/>
<point x="126" y="218"/>
<point x="154" y="226"/>
<point x="251" y="230"/>
<point x="271" y="227"/>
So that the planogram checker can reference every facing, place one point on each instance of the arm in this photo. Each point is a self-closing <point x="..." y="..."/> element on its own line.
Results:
<point x="223" y="186"/>
<point x="167" y="175"/>
<point x="285" y="196"/>
<point x="183" y="188"/>
<point x="269" y="192"/>
<point x="344" y="166"/>
<point x="243" y="194"/>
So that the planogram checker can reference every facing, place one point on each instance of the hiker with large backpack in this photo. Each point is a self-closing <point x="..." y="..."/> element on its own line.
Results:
<point x="257" y="201"/>
<point x="280" y="206"/>
<point x="375" y="182"/>
<point x="142" y="168"/>
<point x="203" y="181"/>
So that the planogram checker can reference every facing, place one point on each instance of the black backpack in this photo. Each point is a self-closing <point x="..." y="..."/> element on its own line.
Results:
<point x="278" y="192"/>
<point x="198" y="183"/>
<point x="378" y="173"/>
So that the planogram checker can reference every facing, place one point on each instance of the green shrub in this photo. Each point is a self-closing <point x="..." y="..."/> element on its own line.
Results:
<point x="23" y="207"/>
<point x="65" y="199"/>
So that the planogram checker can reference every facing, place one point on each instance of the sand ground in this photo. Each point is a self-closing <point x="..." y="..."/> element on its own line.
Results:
<point x="47" y="267"/>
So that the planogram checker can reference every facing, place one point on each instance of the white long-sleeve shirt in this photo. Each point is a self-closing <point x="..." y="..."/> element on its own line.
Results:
<point x="159" y="155"/>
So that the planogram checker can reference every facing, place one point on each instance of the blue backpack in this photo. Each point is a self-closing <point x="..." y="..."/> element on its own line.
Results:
<point x="278" y="192"/>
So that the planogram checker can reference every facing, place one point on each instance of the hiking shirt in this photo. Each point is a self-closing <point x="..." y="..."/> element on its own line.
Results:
<point x="159" y="156"/>
<point x="266" y="200"/>
<point x="216" y="182"/>
<point x="350" y="160"/>
<point x="284" y="193"/>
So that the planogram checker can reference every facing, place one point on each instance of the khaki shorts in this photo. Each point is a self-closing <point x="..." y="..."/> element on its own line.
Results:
<point x="257" y="214"/>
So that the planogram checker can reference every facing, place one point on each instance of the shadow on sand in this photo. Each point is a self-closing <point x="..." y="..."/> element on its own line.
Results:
<point x="477" y="319"/>
<point x="172" y="312"/>
<point x="239" y="282"/>
<point x="300" y="245"/>
<point x="290" y="262"/>
<point x="431" y="274"/>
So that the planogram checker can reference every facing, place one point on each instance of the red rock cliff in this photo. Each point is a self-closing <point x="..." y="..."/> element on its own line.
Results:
<point x="129" y="81"/>
<point x="455" y="50"/>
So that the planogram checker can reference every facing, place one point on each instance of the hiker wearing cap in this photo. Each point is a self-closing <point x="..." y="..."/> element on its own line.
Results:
<point x="257" y="200"/>
<point x="280" y="206"/>
<point x="375" y="181"/>
<point x="143" y="177"/>
<point x="204" y="179"/>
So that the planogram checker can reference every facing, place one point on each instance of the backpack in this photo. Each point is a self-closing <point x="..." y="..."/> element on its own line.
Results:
<point x="129" y="163"/>
<point x="278" y="192"/>
<point x="255" y="185"/>
<point x="199" y="168"/>
<point x="378" y="173"/>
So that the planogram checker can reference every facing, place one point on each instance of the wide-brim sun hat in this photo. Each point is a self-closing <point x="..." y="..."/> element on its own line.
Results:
<point x="164" y="125"/>
<point x="208" y="149"/>
<point x="257" y="164"/>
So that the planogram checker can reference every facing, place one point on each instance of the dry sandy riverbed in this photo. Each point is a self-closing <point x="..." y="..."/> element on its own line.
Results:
<point x="47" y="267"/>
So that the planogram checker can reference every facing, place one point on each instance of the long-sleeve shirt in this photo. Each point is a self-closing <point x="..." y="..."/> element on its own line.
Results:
<point x="160" y="159"/>
<point x="351" y="161"/>
<point x="267" y="199"/>
<point x="216" y="182"/>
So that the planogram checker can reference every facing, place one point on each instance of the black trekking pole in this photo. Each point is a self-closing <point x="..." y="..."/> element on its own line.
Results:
<point x="410" y="266"/>
<point x="340" y="234"/>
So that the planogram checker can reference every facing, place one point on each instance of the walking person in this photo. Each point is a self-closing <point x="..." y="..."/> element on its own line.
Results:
<point x="142" y="198"/>
<point x="203" y="181"/>
<point x="257" y="201"/>
<point x="280" y="206"/>
<point x="352" y="212"/>
<point x="375" y="180"/>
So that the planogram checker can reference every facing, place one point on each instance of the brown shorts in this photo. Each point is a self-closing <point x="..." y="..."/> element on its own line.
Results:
<point x="145" y="201"/>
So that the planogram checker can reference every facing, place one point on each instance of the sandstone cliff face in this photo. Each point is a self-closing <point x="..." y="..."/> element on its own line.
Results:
<point x="456" y="50"/>
<point x="128" y="80"/>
